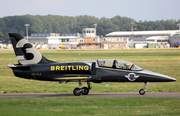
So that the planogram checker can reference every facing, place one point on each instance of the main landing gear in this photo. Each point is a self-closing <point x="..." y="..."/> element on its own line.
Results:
<point x="143" y="91"/>
<point x="82" y="90"/>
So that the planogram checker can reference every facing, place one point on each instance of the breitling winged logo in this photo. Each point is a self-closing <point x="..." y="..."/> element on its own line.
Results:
<point x="131" y="76"/>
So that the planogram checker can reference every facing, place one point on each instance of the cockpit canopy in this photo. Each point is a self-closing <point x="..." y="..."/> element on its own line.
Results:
<point x="118" y="64"/>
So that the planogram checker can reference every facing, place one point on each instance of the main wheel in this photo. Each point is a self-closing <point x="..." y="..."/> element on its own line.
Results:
<point x="85" y="90"/>
<point x="142" y="92"/>
<point x="77" y="92"/>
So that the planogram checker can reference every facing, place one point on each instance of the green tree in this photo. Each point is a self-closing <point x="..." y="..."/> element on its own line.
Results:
<point x="65" y="24"/>
<point x="1" y="36"/>
<point x="100" y="31"/>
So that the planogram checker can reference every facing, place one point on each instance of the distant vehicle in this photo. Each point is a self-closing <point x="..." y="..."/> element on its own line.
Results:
<point x="63" y="46"/>
<point x="177" y="44"/>
<point x="73" y="47"/>
<point x="33" y="65"/>
<point x="6" y="47"/>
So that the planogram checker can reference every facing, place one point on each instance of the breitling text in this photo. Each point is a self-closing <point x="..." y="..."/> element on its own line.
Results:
<point x="69" y="68"/>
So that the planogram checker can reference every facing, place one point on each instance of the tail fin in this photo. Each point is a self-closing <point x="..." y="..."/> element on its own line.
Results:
<point x="26" y="54"/>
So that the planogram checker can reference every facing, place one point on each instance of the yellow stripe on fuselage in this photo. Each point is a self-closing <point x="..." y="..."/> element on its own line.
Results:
<point x="11" y="66"/>
<point x="72" y="78"/>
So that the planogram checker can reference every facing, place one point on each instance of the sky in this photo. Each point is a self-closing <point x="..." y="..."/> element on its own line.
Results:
<point x="137" y="9"/>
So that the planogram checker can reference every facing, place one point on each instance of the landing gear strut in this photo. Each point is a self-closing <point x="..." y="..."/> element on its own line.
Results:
<point x="82" y="90"/>
<point x="143" y="91"/>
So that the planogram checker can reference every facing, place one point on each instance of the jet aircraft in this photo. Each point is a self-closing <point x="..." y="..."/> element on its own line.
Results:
<point x="33" y="65"/>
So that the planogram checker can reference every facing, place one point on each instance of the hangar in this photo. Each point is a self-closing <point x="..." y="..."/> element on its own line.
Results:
<point x="144" y="37"/>
<point x="143" y="34"/>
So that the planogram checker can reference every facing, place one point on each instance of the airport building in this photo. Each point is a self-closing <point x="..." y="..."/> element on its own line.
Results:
<point x="54" y="40"/>
<point x="141" y="39"/>
<point x="114" y="40"/>
<point x="89" y="39"/>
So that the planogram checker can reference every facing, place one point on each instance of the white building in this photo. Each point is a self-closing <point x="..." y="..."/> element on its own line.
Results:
<point x="143" y="37"/>
<point x="54" y="40"/>
<point x="143" y="33"/>
<point x="89" y="32"/>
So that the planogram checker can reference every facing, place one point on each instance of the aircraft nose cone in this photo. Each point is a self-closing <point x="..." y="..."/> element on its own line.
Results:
<point x="156" y="77"/>
<point x="169" y="78"/>
<point x="164" y="78"/>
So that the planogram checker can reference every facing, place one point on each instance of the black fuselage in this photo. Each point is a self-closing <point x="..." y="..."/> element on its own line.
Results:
<point x="58" y="71"/>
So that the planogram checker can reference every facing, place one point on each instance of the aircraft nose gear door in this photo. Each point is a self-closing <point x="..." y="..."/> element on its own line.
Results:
<point x="82" y="90"/>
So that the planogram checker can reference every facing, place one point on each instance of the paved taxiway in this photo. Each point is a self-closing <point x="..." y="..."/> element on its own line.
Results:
<point x="119" y="94"/>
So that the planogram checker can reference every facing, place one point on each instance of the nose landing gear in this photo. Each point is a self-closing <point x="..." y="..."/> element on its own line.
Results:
<point x="82" y="90"/>
<point x="143" y="91"/>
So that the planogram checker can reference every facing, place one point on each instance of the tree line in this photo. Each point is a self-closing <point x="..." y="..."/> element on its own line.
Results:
<point x="68" y="24"/>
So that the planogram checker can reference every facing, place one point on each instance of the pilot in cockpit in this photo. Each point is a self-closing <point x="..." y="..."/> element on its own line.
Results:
<point x="127" y="66"/>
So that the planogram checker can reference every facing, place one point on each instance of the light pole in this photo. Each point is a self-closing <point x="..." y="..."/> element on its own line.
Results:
<point x="95" y="27"/>
<point x="179" y="28"/>
<point x="132" y="29"/>
<point x="27" y="30"/>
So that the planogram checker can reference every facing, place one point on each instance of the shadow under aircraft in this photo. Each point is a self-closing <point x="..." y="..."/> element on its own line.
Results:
<point x="33" y="65"/>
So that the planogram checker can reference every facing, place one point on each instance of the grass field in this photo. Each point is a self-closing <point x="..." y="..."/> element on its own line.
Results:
<point x="165" y="61"/>
<point x="84" y="106"/>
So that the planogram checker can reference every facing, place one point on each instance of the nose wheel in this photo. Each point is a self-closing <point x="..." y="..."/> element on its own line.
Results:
<point x="143" y="91"/>
<point x="82" y="90"/>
